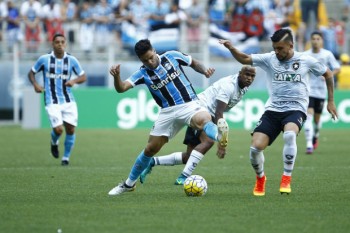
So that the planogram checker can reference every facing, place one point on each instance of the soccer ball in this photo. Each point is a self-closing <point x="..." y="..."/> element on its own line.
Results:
<point x="195" y="186"/>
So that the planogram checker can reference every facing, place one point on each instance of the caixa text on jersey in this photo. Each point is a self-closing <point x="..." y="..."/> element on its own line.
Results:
<point x="287" y="77"/>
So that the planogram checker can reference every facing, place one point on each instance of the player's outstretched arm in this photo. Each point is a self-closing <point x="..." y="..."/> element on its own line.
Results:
<point x="200" y="68"/>
<point x="119" y="85"/>
<point x="330" y="88"/>
<point x="219" y="113"/>
<point x="238" y="55"/>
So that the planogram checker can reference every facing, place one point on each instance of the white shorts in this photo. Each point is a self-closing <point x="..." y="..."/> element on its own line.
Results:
<point x="59" y="113"/>
<point x="172" y="119"/>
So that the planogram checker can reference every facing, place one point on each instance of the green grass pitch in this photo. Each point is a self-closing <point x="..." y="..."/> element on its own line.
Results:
<point x="38" y="195"/>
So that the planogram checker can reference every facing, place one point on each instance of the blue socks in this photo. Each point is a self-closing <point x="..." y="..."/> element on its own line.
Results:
<point x="68" y="145"/>
<point x="140" y="164"/>
<point x="54" y="137"/>
<point x="211" y="130"/>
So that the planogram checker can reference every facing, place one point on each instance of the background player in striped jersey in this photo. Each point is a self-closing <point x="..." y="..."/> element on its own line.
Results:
<point x="318" y="91"/>
<point x="173" y="92"/>
<point x="57" y="69"/>
<point x="220" y="97"/>
<point x="285" y="110"/>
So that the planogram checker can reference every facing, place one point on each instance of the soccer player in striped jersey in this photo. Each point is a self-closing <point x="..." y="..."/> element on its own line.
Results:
<point x="285" y="110"/>
<point x="58" y="69"/>
<point x="173" y="92"/>
<point x="318" y="91"/>
<point x="218" y="98"/>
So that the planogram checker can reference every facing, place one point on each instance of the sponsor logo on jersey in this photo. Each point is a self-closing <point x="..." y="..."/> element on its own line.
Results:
<point x="287" y="77"/>
<point x="169" y="78"/>
<point x="58" y="76"/>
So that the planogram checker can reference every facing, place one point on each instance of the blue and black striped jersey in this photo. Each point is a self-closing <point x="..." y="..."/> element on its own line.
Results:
<point x="167" y="83"/>
<point x="56" y="72"/>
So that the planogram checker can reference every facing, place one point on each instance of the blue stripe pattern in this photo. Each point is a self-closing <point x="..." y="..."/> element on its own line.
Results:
<point x="56" y="72"/>
<point x="167" y="83"/>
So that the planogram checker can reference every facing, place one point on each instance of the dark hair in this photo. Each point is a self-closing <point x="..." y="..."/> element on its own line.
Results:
<point x="142" y="46"/>
<point x="317" y="33"/>
<point x="284" y="34"/>
<point x="58" y="35"/>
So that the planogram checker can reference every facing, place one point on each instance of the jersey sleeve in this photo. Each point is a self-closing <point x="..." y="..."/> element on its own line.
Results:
<point x="78" y="70"/>
<point x="182" y="58"/>
<point x="224" y="93"/>
<point x="39" y="64"/>
<point x="316" y="67"/>
<point x="136" y="78"/>
<point x="333" y="63"/>
<point x="261" y="60"/>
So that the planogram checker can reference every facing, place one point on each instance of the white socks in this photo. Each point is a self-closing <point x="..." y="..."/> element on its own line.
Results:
<point x="192" y="162"/>
<point x="289" y="152"/>
<point x="169" y="160"/>
<point x="309" y="130"/>
<point x="257" y="160"/>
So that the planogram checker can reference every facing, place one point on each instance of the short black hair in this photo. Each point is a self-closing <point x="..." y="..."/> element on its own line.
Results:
<point x="317" y="33"/>
<point x="284" y="34"/>
<point x="58" y="35"/>
<point x="142" y="46"/>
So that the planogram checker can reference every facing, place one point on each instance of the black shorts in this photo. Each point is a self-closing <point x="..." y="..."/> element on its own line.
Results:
<point x="316" y="104"/>
<point x="192" y="137"/>
<point x="272" y="123"/>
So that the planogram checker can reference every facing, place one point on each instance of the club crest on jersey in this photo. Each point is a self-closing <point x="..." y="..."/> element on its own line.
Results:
<point x="296" y="65"/>
<point x="161" y="72"/>
<point x="301" y="121"/>
<point x="167" y="66"/>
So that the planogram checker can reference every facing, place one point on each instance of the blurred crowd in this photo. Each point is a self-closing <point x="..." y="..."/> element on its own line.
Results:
<point x="94" y="25"/>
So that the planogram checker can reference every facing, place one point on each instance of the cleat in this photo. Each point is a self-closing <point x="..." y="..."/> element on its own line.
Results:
<point x="309" y="150"/>
<point x="121" y="188"/>
<point x="146" y="171"/>
<point x="180" y="180"/>
<point x="223" y="132"/>
<point x="285" y="185"/>
<point x="259" y="188"/>
<point x="315" y="142"/>
<point x="65" y="162"/>
<point x="54" y="151"/>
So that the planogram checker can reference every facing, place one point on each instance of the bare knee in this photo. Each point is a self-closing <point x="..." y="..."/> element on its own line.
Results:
<point x="200" y="119"/>
<point x="58" y="130"/>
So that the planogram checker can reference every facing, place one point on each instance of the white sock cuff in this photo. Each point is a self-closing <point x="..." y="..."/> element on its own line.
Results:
<point x="254" y="150"/>
<point x="289" y="134"/>
<point x="197" y="154"/>
<point x="289" y="137"/>
<point x="178" y="158"/>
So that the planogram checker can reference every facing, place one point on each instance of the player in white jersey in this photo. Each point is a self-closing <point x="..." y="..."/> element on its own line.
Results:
<point x="318" y="91"/>
<point x="287" y="80"/>
<point x="218" y="98"/>
<point x="171" y="89"/>
<point x="57" y="68"/>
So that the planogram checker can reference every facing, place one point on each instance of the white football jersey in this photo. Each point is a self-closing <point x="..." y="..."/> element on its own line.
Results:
<point x="288" y="81"/>
<point x="226" y="90"/>
<point x="318" y="87"/>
